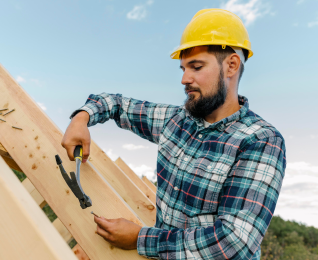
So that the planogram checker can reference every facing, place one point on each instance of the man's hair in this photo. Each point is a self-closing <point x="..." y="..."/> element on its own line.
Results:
<point x="220" y="54"/>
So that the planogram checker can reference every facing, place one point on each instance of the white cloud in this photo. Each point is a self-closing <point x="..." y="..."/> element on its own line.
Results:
<point x="248" y="11"/>
<point x="144" y="170"/>
<point x="42" y="106"/>
<point x="301" y="167"/>
<point x="111" y="155"/>
<point x="312" y="24"/>
<point x="139" y="12"/>
<point x="20" y="79"/>
<point x="299" y="195"/>
<point x="132" y="147"/>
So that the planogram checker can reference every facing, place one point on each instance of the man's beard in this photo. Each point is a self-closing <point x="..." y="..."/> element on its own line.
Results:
<point x="204" y="106"/>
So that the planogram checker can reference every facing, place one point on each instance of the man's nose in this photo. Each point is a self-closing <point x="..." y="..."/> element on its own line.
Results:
<point x="186" y="78"/>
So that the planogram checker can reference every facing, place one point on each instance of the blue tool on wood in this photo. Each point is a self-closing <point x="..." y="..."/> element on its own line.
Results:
<point x="74" y="182"/>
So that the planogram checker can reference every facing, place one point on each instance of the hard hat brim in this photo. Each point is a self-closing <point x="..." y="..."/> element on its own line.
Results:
<point x="176" y="53"/>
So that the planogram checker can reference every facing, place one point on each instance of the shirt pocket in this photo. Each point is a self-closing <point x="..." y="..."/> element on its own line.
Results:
<point x="170" y="147"/>
<point x="202" y="186"/>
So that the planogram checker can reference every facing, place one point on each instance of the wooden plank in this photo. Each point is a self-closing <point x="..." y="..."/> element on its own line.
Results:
<point x="66" y="235"/>
<point x="3" y="150"/>
<point x="79" y="252"/>
<point x="10" y="162"/>
<point x="25" y="231"/>
<point x="34" y="148"/>
<point x="135" y="178"/>
<point x="34" y="193"/>
<point x="149" y="184"/>
<point x="61" y="229"/>
<point x="141" y="203"/>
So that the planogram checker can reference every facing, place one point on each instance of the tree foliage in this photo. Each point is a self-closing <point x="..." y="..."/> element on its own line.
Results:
<point x="289" y="240"/>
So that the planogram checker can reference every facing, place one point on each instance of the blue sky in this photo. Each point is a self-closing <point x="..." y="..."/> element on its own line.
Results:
<point x="62" y="51"/>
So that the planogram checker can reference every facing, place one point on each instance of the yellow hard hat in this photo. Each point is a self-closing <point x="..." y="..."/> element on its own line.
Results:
<point x="214" y="27"/>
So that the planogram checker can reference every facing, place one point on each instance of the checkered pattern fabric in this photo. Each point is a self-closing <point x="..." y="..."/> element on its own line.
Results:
<point x="217" y="186"/>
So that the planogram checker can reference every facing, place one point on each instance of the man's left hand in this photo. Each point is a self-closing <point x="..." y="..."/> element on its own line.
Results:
<point x="120" y="232"/>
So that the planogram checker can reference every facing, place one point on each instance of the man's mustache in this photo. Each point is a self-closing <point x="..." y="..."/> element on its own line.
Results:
<point x="190" y="88"/>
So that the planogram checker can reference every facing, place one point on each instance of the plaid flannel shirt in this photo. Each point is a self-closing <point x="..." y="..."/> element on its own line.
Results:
<point x="217" y="186"/>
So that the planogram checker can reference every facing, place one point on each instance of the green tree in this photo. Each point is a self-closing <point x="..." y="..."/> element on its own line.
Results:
<point x="271" y="249"/>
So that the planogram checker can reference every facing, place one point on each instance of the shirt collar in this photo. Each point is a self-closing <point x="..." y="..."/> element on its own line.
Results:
<point x="223" y="123"/>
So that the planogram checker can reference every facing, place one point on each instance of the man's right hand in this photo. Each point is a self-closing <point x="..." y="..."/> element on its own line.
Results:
<point x="77" y="133"/>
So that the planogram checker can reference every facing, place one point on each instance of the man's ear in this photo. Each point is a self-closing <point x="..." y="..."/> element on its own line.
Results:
<point x="233" y="63"/>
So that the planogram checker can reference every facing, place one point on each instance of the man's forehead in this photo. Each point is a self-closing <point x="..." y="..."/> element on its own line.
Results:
<point x="195" y="55"/>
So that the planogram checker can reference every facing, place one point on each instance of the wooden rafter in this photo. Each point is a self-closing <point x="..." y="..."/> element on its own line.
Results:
<point x="149" y="184"/>
<point x="66" y="235"/>
<point x="135" y="178"/>
<point x="34" y="147"/>
<point x="36" y="239"/>
<point x="6" y="156"/>
<point x="141" y="203"/>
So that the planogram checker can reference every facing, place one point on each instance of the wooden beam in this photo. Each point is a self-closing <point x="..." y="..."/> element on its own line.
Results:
<point x="34" y="193"/>
<point x="34" y="148"/>
<point x="135" y="178"/>
<point x="149" y="184"/>
<point x="3" y="150"/>
<point x="79" y="252"/>
<point x="141" y="203"/>
<point x="25" y="231"/>
<point x="66" y="235"/>
<point x="61" y="229"/>
<point x="6" y="156"/>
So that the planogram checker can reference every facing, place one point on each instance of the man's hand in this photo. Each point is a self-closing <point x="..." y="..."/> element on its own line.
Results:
<point x="120" y="232"/>
<point x="77" y="133"/>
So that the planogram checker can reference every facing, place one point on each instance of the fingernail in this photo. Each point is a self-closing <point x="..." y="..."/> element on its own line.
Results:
<point x="84" y="160"/>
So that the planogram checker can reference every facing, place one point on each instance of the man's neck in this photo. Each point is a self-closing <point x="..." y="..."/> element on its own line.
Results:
<point x="230" y="106"/>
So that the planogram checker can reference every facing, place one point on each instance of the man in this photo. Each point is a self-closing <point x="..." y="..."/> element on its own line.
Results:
<point x="220" y="166"/>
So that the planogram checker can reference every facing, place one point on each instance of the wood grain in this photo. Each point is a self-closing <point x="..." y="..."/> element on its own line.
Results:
<point x="34" y="149"/>
<point x="149" y="184"/>
<point x="135" y="178"/>
<point x="25" y="231"/>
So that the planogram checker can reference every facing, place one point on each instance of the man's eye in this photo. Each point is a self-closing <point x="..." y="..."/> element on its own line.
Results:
<point x="197" y="68"/>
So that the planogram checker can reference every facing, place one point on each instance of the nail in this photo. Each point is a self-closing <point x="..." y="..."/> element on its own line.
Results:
<point x="17" y="127"/>
<point x="3" y="109"/>
<point x="94" y="214"/>
<point x="9" y="112"/>
<point x="3" y="120"/>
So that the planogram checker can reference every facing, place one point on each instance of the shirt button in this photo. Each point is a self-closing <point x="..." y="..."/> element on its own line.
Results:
<point x="200" y="136"/>
<point x="167" y="217"/>
<point x="186" y="159"/>
<point x="175" y="188"/>
<point x="209" y="167"/>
